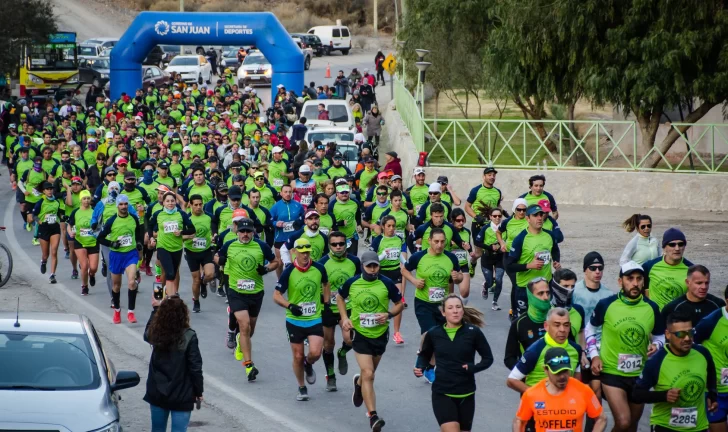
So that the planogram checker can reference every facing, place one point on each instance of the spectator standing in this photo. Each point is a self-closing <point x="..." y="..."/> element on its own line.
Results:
<point x="379" y="64"/>
<point x="373" y="123"/>
<point x="393" y="163"/>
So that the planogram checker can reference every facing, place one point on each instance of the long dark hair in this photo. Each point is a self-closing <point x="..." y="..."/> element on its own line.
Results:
<point x="168" y="326"/>
<point x="633" y="222"/>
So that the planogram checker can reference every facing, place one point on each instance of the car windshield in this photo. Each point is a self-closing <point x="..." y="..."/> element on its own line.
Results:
<point x="183" y="61"/>
<point x="337" y="113"/>
<point x="87" y="50"/>
<point x="330" y="136"/>
<point x="349" y="152"/>
<point x="172" y="49"/>
<point x="101" y="64"/>
<point x="46" y="361"/>
<point x="255" y="60"/>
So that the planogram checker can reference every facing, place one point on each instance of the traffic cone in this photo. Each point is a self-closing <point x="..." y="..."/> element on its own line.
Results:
<point x="328" y="71"/>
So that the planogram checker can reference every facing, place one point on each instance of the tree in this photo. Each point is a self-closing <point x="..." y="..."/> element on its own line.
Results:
<point x="649" y="56"/>
<point x="23" y="21"/>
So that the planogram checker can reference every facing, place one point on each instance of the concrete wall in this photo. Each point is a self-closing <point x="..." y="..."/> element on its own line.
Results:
<point x="633" y="189"/>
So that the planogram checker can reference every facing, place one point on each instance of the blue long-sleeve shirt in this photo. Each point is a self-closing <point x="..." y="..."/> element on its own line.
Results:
<point x="291" y="213"/>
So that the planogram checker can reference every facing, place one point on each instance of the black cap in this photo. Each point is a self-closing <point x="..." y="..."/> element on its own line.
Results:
<point x="222" y="186"/>
<point x="442" y="180"/>
<point x="338" y="155"/>
<point x="489" y="170"/>
<point x="213" y="159"/>
<point x="24" y="149"/>
<point x="557" y="359"/>
<point x="235" y="193"/>
<point x="236" y="164"/>
<point x="246" y="224"/>
<point x="393" y="154"/>
<point x="593" y="258"/>
<point x="46" y="185"/>
<point x="163" y="165"/>
<point x="129" y="174"/>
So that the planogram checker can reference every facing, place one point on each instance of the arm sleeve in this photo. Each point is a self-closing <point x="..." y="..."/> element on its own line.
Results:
<point x="37" y="207"/>
<point x="267" y="251"/>
<point x="286" y="253"/>
<point x="648" y="379"/>
<point x="629" y="251"/>
<point x="556" y="231"/>
<point x="188" y="227"/>
<point x="472" y="195"/>
<point x="528" y="361"/>
<point x="486" y="355"/>
<point x="513" y="347"/>
<point x="555" y="251"/>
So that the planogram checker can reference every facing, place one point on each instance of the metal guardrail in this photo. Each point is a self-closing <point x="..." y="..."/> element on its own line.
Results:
<point x="560" y="144"/>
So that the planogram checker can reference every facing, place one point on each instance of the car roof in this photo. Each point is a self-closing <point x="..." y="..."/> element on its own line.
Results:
<point x="42" y="322"/>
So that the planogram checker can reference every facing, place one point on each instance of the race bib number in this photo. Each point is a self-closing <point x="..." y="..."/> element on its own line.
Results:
<point x="544" y="256"/>
<point x="124" y="241"/>
<point x="324" y="231"/>
<point x="306" y="199"/>
<point x="629" y="363"/>
<point x="461" y="255"/>
<point x="86" y="232"/>
<point x="399" y="233"/>
<point x="368" y="320"/>
<point x="246" y="285"/>
<point x="391" y="254"/>
<point x="51" y="218"/>
<point x="199" y="243"/>
<point x="684" y="417"/>
<point x="288" y="227"/>
<point x="170" y="227"/>
<point x="309" y="308"/>
<point x="417" y="208"/>
<point x="437" y="294"/>
<point x="724" y="376"/>
<point x="35" y="192"/>
<point x="278" y="182"/>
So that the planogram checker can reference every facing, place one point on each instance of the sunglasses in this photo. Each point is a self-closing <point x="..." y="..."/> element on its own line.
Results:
<point x="520" y="210"/>
<point x="381" y="194"/>
<point x="496" y="216"/>
<point x="343" y="192"/>
<point x="645" y="226"/>
<point x="122" y="165"/>
<point x="595" y="268"/>
<point x="301" y="248"/>
<point x="337" y="244"/>
<point x="681" y="334"/>
<point x="152" y="152"/>
<point x="259" y="178"/>
<point x="676" y="244"/>
<point x="459" y="220"/>
<point x="559" y="361"/>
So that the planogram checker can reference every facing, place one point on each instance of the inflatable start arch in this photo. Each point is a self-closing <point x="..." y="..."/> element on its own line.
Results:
<point x="261" y="29"/>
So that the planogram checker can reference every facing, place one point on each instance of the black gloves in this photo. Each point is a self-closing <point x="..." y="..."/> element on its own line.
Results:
<point x="480" y="220"/>
<point x="341" y="223"/>
<point x="262" y="270"/>
<point x="139" y="246"/>
<point x="116" y="244"/>
<point x="295" y="309"/>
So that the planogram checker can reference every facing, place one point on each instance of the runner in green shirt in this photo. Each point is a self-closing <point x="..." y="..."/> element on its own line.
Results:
<point x="419" y="192"/>
<point x="369" y="294"/>
<point x="483" y="197"/>
<point x="199" y="251"/>
<point x="347" y="213"/>
<point x="278" y="170"/>
<point x="169" y="226"/>
<point x="85" y="246"/>
<point x="306" y="284"/>
<point x="47" y="214"/>
<point x="665" y="276"/>
<point x="712" y="333"/>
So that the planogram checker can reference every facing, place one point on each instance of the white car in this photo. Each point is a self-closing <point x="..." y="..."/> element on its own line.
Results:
<point x="333" y="38"/>
<point x="255" y="70"/>
<point x="344" y="139"/>
<point x="193" y="68"/>
<point x="340" y="114"/>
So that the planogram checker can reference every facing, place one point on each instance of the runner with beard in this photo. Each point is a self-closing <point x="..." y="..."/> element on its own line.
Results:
<point x="347" y="213"/>
<point x="319" y="241"/>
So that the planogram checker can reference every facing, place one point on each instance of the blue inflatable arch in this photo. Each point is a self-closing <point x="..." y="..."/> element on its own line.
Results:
<point x="261" y="29"/>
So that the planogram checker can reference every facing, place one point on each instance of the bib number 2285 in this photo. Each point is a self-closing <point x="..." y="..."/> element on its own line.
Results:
<point x="684" y="417"/>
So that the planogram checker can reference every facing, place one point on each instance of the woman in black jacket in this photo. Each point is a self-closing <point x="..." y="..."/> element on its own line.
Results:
<point x="174" y="383"/>
<point x="454" y="346"/>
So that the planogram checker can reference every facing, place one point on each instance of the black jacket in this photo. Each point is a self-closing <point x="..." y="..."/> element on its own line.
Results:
<point x="450" y="356"/>
<point x="175" y="377"/>
<point x="95" y="176"/>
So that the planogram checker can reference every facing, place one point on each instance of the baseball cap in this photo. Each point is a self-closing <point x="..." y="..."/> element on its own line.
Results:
<point x="163" y="165"/>
<point x="489" y="170"/>
<point x="186" y="149"/>
<point x="76" y="180"/>
<point x="557" y="360"/>
<point x="246" y="224"/>
<point x="630" y="267"/>
<point x="311" y="213"/>
<point x="383" y="174"/>
<point x="258" y="174"/>
<point x="419" y="170"/>
<point x="368" y="159"/>
<point x="235" y="193"/>
<point x="395" y="177"/>
<point x="84" y="194"/>
<point x="109" y="134"/>
<point x="393" y="154"/>
<point x="435" y="188"/>
<point x="222" y="187"/>
<point x="342" y="188"/>
<point x="442" y="180"/>
<point x="122" y="199"/>
<point x="46" y="185"/>
<point x="164" y="188"/>
<point x="138" y="139"/>
<point x="338" y="155"/>
<point x="236" y="164"/>
<point x="121" y="160"/>
<point x="302" y="245"/>
<point x="239" y="214"/>
<point x="533" y="209"/>
<point x="545" y="205"/>
<point x="277" y="149"/>
<point x="129" y="174"/>
<point x="593" y="258"/>
<point x="305" y="169"/>
<point x="369" y="257"/>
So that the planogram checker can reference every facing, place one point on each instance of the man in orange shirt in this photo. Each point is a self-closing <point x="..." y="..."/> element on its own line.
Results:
<point x="559" y="402"/>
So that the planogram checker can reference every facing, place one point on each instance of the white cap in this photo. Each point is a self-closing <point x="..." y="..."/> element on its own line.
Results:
<point x="253" y="91"/>
<point x="304" y="169"/>
<point x="138" y="118"/>
<point x="211" y="123"/>
<point x="90" y="140"/>
<point x="280" y="86"/>
<point x="366" y="70"/>
<point x="629" y="267"/>
<point x="138" y="139"/>
<point x="247" y="89"/>
<point x="109" y="134"/>
<point x="277" y="149"/>
<point x="435" y="187"/>
<point x="236" y="125"/>
<point x="176" y="92"/>
<point x="194" y="122"/>
<point x="107" y="100"/>
<point x="183" y="127"/>
<point x="211" y="109"/>
<point x="186" y="149"/>
<point x="261" y="119"/>
<point x="419" y="170"/>
<point x="12" y="126"/>
<point x="226" y="113"/>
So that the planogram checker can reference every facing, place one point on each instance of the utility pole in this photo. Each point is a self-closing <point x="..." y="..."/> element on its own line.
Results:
<point x="376" y="19"/>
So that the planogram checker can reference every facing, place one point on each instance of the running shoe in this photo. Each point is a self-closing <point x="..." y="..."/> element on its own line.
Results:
<point x="429" y="375"/>
<point x="343" y="363"/>
<point x="220" y="292"/>
<point x="251" y="372"/>
<point x="203" y="290"/>
<point x="376" y="423"/>
<point x="495" y="306"/>
<point x="404" y="302"/>
<point x="148" y="271"/>
<point x="42" y="267"/>
<point x="52" y="279"/>
<point x="92" y="280"/>
<point x="484" y="292"/>
<point x="331" y="383"/>
<point x="138" y="277"/>
<point x="84" y="290"/>
<point x="398" y="338"/>
<point x="74" y="274"/>
<point x="68" y="254"/>
<point x="302" y="395"/>
<point x="310" y="373"/>
<point x="471" y="269"/>
<point x="131" y="317"/>
<point x="231" y="339"/>
<point x="195" y="306"/>
<point x="103" y="268"/>
<point x="117" y="316"/>
<point x="36" y="242"/>
<point x="28" y="227"/>
<point x="356" y="397"/>
<point x="238" y="352"/>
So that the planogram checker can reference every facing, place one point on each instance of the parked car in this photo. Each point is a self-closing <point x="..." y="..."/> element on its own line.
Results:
<point x="94" y="70"/>
<point x="156" y="56"/>
<point x="256" y="69"/>
<point x="307" y="53"/>
<point x="56" y="376"/>
<point x="340" y="114"/>
<point x="312" y="41"/>
<point x="94" y="47"/>
<point x="171" y="50"/>
<point x="230" y="58"/>
<point x="193" y="68"/>
<point x="150" y="74"/>
<point x="333" y="38"/>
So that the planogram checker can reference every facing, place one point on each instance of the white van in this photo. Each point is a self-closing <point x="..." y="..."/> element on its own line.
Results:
<point x="333" y="38"/>
<point x="340" y="114"/>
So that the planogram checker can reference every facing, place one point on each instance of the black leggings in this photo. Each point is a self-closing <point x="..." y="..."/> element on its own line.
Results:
<point x="380" y="76"/>
<point x="374" y="138"/>
<point x="448" y="409"/>
<point x="170" y="262"/>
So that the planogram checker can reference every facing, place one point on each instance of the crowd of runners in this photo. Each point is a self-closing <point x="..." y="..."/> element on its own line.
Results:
<point x="129" y="188"/>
